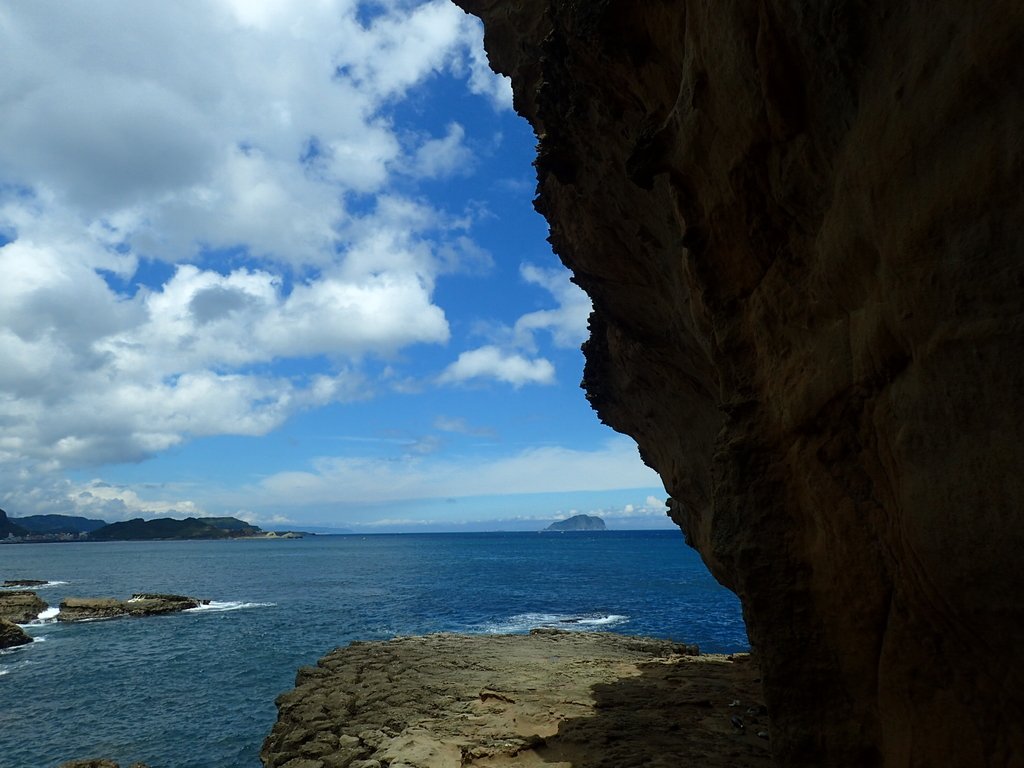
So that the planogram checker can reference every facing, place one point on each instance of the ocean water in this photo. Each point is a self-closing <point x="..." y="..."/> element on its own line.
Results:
<point x="196" y="689"/>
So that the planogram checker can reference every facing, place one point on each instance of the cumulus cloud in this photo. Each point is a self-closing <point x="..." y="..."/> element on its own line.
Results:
<point x="139" y="138"/>
<point x="493" y="363"/>
<point x="566" y="323"/>
<point x="508" y="358"/>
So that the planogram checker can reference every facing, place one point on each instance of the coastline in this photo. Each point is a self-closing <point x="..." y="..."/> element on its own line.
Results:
<point x="551" y="698"/>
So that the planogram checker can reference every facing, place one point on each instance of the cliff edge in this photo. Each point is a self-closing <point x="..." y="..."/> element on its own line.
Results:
<point x="801" y="228"/>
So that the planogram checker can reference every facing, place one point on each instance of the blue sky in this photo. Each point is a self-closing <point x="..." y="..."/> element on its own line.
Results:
<point x="278" y="259"/>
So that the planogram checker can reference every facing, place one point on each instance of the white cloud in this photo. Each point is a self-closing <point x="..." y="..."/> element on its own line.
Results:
<point x="567" y="323"/>
<point x="493" y="363"/>
<point x="446" y="156"/>
<point x="141" y="131"/>
<point x="507" y="358"/>
<point x="97" y="499"/>
<point x="613" y="465"/>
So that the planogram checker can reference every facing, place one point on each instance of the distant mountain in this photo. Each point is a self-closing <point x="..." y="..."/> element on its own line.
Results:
<point x="578" y="523"/>
<point x="8" y="527"/>
<point x="168" y="528"/>
<point x="58" y="523"/>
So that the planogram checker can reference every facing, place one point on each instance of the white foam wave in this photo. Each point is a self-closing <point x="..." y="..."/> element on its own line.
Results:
<point x="524" y="622"/>
<point x="219" y="606"/>
<point x="47" y="585"/>
<point x="46" y="617"/>
<point x="4" y="671"/>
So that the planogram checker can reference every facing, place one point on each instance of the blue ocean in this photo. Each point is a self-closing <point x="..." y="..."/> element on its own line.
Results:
<point x="196" y="689"/>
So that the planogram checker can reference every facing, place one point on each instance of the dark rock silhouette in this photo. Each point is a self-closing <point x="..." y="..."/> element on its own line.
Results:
<point x="801" y="228"/>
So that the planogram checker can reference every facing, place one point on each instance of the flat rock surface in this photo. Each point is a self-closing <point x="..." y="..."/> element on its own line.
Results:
<point x="546" y="699"/>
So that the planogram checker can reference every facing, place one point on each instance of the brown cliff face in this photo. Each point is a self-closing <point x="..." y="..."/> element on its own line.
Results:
<point x="801" y="228"/>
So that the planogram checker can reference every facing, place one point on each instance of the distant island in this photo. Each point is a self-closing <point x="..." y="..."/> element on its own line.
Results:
<point x="41" y="528"/>
<point x="578" y="523"/>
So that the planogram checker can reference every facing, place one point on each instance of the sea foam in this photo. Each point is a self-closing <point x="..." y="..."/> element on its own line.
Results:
<point x="524" y="622"/>
<point x="219" y="606"/>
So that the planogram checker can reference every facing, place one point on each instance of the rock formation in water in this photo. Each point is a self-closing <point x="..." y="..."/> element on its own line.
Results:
<point x="141" y="604"/>
<point x="592" y="700"/>
<point x="11" y="635"/>
<point x="801" y="227"/>
<point x="21" y="605"/>
<point x="578" y="523"/>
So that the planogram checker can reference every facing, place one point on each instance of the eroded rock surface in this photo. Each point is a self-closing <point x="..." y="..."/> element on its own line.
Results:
<point x="801" y="228"/>
<point x="11" y="635"/>
<point x="21" y="606"/>
<point x="141" y="604"/>
<point x="551" y="698"/>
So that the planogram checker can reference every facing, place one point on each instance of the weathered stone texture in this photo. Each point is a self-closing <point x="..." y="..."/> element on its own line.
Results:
<point x="801" y="228"/>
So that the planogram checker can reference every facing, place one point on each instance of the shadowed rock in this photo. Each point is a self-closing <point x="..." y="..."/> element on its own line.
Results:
<point x="21" y="606"/>
<point x="11" y="635"/>
<point x="802" y="226"/>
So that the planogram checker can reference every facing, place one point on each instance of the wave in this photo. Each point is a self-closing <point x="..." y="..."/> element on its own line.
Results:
<point x="47" y="585"/>
<point x="219" y="606"/>
<point x="582" y="622"/>
<point x="46" y="617"/>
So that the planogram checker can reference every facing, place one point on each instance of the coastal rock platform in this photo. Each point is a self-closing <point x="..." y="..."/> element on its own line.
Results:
<point x="551" y="698"/>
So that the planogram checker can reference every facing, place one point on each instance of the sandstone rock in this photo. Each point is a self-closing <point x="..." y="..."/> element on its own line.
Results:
<point x="21" y="606"/>
<point x="802" y="226"/>
<point x="567" y="698"/>
<point x="11" y="635"/>
<point x="141" y="604"/>
<point x="90" y="608"/>
<point x="148" y="604"/>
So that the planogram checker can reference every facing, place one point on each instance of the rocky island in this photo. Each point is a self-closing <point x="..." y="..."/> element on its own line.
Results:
<point x="578" y="523"/>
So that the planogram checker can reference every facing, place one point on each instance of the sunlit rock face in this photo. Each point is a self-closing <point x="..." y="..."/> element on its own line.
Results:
<point x="801" y="228"/>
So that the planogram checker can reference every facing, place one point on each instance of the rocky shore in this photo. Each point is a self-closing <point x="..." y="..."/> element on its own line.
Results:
<point x="550" y="698"/>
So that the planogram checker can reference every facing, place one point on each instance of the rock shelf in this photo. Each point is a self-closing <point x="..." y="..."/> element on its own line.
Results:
<point x="551" y="698"/>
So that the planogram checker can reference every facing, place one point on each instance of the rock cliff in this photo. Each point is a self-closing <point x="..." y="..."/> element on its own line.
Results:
<point x="801" y="228"/>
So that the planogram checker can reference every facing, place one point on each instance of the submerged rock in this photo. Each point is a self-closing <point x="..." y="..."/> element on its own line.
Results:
<point x="21" y="606"/>
<point x="11" y="635"/>
<point x="801" y="226"/>
<point x="141" y="604"/>
<point x="24" y="583"/>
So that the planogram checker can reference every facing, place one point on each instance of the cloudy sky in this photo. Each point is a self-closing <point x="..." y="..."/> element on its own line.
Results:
<point x="277" y="259"/>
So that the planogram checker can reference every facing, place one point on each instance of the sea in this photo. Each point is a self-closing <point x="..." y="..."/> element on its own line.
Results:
<point x="196" y="689"/>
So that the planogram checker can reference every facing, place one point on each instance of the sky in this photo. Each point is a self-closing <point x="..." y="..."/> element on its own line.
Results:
<point x="278" y="259"/>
